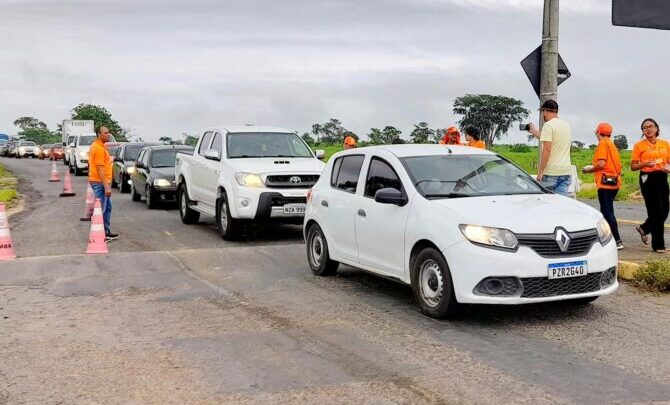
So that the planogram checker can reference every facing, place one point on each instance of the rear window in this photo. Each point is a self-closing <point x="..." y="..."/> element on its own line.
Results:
<point x="349" y="169"/>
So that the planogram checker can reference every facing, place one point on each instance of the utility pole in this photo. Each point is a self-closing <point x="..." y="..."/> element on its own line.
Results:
<point x="549" y="67"/>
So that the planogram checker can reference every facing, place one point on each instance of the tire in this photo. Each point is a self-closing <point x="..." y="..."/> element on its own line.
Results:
<point x="148" y="198"/>
<point x="114" y="183"/>
<point x="227" y="226"/>
<point x="133" y="194"/>
<point x="124" y="187"/>
<point x="77" y="170"/>
<point x="432" y="285"/>
<point x="71" y="169"/>
<point x="581" y="301"/>
<point x="187" y="214"/>
<point x="318" y="255"/>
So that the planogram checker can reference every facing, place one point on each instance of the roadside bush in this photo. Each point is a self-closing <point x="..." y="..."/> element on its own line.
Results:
<point x="519" y="148"/>
<point x="7" y="195"/>
<point x="654" y="275"/>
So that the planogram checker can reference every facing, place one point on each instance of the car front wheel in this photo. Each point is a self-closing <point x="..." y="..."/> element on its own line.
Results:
<point x="149" y="198"/>
<point x="318" y="255"/>
<point x="228" y="227"/>
<point x="187" y="214"/>
<point x="124" y="187"/>
<point x="432" y="284"/>
<point x="134" y="195"/>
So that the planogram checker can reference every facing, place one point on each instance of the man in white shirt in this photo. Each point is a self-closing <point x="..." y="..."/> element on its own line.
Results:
<point x="556" y="138"/>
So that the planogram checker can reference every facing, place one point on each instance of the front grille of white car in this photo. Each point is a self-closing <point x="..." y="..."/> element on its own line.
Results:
<point x="539" y="287"/>
<point x="545" y="245"/>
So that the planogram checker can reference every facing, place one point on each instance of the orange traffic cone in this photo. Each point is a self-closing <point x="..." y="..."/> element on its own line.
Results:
<point x="90" y="202"/>
<point x="96" y="237"/>
<point x="54" y="173"/>
<point x="6" y="246"/>
<point x="67" y="186"/>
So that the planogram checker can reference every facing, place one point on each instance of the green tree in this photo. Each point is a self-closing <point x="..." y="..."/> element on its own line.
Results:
<point x="389" y="133"/>
<point x="309" y="140"/>
<point x="166" y="140"/>
<point x="621" y="142"/>
<point x="331" y="132"/>
<point x="35" y="130"/>
<point x="375" y="136"/>
<point x="493" y="115"/>
<point x="421" y="133"/>
<point x="102" y="117"/>
<point x="189" y="139"/>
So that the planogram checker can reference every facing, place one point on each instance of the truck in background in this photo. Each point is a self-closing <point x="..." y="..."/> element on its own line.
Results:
<point x="71" y="129"/>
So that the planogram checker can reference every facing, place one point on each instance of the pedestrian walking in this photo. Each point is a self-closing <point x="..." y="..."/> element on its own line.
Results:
<point x="650" y="157"/>
<point x="555" y="168"/>
<point x="100" y="178"/>
<point x="474" y="138"/>
<point x="606" y="168"/>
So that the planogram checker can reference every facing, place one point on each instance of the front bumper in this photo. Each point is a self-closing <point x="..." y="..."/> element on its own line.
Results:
<point x="263" y="203"/>
<point x="164" y="193"/>
<point x="470" y="264"/>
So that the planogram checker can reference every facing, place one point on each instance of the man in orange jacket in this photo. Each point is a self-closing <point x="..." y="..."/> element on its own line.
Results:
<point x="473" y="138"/>
<point x="349" y="142"/>
<point x="452" y="136"/>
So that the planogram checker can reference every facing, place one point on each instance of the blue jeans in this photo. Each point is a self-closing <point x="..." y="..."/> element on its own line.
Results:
<point x="105" y="203"/>
<point x="557" y="184"/>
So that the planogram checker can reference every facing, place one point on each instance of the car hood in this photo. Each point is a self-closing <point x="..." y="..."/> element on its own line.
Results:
<point x="277" y="165"/>
<point x="536" y="213"/>
<point x="166" y="173"/>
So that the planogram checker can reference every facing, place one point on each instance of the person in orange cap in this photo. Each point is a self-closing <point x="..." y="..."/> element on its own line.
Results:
<point x="349" y="142"/>
<point x="607" y="172"/>
<point x="473" y="138"/>
<point x="452" y="136"/>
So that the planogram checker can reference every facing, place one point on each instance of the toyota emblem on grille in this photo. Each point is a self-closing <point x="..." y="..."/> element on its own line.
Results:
<point x="295" y="180"/>
<point x="562" y="239"/>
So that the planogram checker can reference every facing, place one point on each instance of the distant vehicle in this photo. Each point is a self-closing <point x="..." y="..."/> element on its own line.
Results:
<point x="460" y="225"/>
<point x="70" y="130"/>
<point x="113" y="148"/>
<point x="124" y="164"/>
<point x="26" y="149"/>
<point x="246" y="173"/>
<point x="153" y="176"/>
<point x="4" y="138"/>
<point x="45" y="151"/>
<point x="11" y="149"/>
<point x="4" y="147"/>
<point x="79" y="153"/>
<point x="56" y="152"/>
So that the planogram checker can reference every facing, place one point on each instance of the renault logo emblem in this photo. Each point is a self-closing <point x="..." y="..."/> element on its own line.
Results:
<point x="295" y="180"/>
<point x="562" y="239"/>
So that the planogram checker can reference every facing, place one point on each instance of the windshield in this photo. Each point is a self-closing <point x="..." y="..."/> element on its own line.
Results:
<point x="132" y="151"/>
<point x="453" y="176"/>
<point x="86" y="140"/>
<point x="58" y="146"/>
<point x="113" y="150"/>
<point x="164" y="158"/>
<point x="27" y="143"/>
<point x="257" y="144"/>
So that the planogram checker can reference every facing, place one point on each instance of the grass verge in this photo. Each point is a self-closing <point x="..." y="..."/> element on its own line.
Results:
<point x="7" y="187"/>
<point x="654" y="275"/>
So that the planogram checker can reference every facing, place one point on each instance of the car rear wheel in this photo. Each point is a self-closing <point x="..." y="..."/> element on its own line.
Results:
<point x="134" y="195"/>
<point x="432" y="284"/>
<point x="228" y="227"/>
<point x="149" y="198"/>
<point x="186" y="213"/>
<point x="318" y="255"/>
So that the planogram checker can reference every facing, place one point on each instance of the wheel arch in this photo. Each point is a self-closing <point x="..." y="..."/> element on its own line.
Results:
<point x="416" y="249"/>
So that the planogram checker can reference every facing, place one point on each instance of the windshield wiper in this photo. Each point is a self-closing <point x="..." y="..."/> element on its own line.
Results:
<point x="448" y="195"/>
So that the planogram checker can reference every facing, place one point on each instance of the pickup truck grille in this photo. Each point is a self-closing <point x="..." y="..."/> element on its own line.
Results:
<point x="291" y="181"/>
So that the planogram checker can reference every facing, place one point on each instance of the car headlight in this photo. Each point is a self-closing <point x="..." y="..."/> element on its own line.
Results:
<point x="83" y="154"/>
<point x="604" y="232"/>
<point x="162" y="183"/>
<point x="22" y="149"/>
<point x="130" y="169"/>
<point x="249" y="180"/>
<point x="490" y="237"/>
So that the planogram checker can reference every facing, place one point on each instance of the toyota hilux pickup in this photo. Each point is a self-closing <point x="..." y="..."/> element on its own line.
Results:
<point x="244" y="174"/>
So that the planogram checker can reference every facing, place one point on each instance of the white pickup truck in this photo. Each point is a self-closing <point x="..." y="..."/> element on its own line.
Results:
<point x="246" y="173"/>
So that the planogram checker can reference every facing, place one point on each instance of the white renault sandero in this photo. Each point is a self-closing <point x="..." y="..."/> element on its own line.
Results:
<point x="460" y="225"/>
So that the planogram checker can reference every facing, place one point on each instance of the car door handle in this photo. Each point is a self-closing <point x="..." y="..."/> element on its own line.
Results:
<point x="361" y="213"/>
<point x="324" y="203"/>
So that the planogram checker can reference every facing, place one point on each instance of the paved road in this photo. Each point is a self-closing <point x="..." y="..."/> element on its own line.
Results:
<point x="186" y="318"/>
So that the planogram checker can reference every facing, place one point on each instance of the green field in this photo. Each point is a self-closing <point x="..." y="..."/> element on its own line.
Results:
<point x="7" y="186"/>
<point x="580" y="157"/>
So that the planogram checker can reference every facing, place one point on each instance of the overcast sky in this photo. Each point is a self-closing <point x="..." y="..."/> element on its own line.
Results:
<point x="167" y="67"/>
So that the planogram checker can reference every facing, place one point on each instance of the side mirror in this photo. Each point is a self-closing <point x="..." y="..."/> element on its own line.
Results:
<point x="139" y="165"/>
<point x="320" y="154"/>
<point x="212" y="154"/>
<point x="390" y="196"/>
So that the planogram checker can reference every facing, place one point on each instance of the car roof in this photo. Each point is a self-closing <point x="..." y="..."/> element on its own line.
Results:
<point x="142" y="144"/>
<point x="168" y="147"/>
<point x="405" y="150"/>
<point x="249" y="129"/>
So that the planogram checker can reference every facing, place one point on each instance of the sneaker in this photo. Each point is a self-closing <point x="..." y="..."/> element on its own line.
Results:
<point x="111" y="236"/>
<point x="619" y="245"/>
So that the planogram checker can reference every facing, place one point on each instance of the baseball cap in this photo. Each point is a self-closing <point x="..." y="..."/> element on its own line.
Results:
<point x="549" y="105"/>
<point x="604" y="129"/>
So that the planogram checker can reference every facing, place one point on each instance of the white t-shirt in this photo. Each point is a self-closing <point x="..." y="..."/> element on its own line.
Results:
<point x="558" y="132"/>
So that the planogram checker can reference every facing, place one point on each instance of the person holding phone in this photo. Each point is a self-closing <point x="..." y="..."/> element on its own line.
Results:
<point x="607" y="172"/>
<point x="650" y="157"/>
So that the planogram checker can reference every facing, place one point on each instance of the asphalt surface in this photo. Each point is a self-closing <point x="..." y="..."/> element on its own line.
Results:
<point x="176" y="315"/>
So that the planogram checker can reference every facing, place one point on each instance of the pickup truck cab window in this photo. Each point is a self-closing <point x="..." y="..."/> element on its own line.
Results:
<point x="217" y="143"/>
<point x="204" y="144"/>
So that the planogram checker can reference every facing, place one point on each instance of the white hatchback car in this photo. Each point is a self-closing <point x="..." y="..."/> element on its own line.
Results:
<point x="461" y="225"/>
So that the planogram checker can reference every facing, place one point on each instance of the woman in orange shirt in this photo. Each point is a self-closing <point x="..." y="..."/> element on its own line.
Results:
<point x="607" y="172"/>
<point x="650" y="157"/>
<point x="474" y="138"/>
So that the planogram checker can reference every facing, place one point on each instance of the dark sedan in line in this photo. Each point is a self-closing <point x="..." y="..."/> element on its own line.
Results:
<point x="153" y="174"/>
<point x="124" y="163"/>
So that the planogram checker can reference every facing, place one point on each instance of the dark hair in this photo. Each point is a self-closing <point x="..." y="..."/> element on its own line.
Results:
<point x="658" y="129"/>
<point x="473" y="132"/>
<point x="98" y="130"/>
